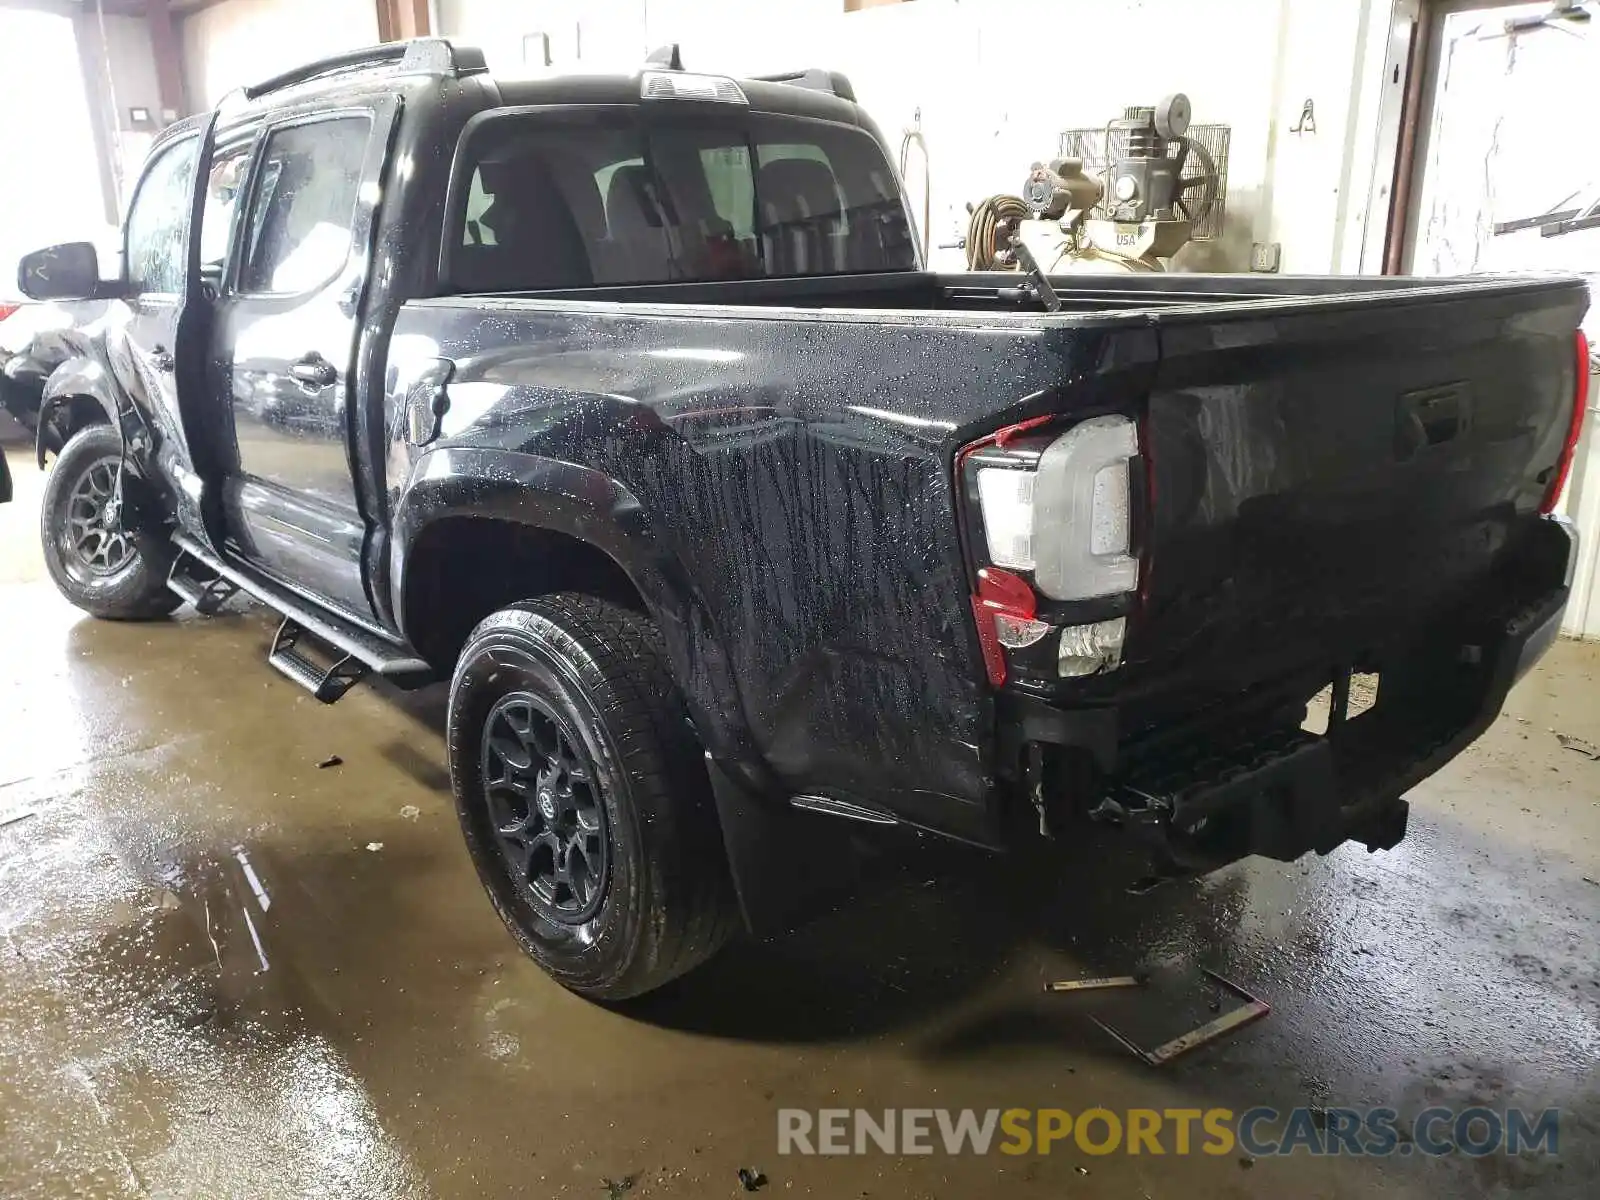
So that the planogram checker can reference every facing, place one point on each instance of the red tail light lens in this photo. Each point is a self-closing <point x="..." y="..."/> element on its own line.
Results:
<point x="1004" y="609"/>
<point x="7" y="309"/>
<point x="1580" y="405"/>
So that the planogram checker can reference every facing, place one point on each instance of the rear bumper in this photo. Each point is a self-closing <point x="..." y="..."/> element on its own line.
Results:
<point x="1250" y="781"/>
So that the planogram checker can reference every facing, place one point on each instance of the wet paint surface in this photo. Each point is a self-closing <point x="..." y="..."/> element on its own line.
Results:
<point x="778" y="485"/>
<point x="211" y="983"/>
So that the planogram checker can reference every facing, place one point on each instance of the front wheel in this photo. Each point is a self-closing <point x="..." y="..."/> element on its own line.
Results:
<point x="97" y="559"/>
<point x="584" y="797"/>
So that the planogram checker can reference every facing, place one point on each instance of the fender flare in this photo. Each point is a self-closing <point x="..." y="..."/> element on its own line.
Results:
<point x="81" y="376"/>
<point x="591" y="507"/>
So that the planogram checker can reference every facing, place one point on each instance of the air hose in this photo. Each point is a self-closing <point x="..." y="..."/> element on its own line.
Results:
<point x="985" y="239"/>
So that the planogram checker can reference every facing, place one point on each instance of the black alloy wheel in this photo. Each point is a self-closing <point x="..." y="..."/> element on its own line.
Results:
<point x="106" y="539"/>
<point x="544" y="803"/>
<point x="93" y="537"/>
<point x="584" y="798"/>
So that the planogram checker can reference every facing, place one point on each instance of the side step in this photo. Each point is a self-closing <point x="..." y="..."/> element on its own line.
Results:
<point x="207" y="595"/>
<point x="328" y="684"/>
<point x="353" y="650"/>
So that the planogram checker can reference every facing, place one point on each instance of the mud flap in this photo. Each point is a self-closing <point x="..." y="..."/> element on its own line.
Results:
<point x="787" y="865"/>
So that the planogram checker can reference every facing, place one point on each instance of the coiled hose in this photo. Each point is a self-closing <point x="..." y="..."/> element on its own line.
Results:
<point x="985" y="241"/>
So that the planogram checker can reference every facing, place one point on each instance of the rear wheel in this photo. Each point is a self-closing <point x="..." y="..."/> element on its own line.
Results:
<point x="97" y="557"/>
<point x="584" y="798"/>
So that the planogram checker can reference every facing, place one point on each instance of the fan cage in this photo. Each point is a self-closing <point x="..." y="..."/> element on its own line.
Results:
<point x="1090" y="146"/>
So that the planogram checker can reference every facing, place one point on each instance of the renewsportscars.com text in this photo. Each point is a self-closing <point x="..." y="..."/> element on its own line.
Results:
<point x="1262" y="1131"/>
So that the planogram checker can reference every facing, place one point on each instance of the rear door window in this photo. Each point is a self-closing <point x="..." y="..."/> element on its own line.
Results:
<point x="299" y="231"/>
<point x="596" y="199"/>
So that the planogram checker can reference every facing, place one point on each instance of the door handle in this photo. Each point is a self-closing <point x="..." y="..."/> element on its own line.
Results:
<point x="315" y="370"/>
<point x="427" y="401"/>
<point x="162" y="358"/>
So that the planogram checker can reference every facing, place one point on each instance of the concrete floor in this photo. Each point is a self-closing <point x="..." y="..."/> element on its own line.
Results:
<point x="365" y="1027"/>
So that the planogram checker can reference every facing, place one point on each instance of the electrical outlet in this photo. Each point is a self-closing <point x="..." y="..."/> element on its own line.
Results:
<point x="1265" y="256"/>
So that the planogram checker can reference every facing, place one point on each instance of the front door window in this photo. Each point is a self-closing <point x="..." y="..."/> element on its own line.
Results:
<point x="158" y="222"/>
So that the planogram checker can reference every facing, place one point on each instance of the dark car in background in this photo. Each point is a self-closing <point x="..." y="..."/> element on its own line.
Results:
<point x="35" y="339"/>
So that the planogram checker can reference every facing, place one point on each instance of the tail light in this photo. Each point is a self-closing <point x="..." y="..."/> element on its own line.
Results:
<point x="1569" y="449"/>
<point x="6" y="309"/>
<point x="1051" y="526"/>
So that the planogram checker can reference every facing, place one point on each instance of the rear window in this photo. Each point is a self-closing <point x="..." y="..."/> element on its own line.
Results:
<point x="597" y="198"/>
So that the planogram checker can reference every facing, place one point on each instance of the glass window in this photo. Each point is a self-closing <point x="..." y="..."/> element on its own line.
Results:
<point x="158" y="222"/>
<point x="593" y="199"/>
<point x="304" y="207"/>
<point x="732" y="185"/>
<point x="225" y="181"/>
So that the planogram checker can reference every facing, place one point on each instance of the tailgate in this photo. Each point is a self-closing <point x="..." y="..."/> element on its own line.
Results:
<point x="1331" y="474"/>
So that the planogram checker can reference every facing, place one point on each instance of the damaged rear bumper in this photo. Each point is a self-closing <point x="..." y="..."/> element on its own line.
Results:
<point x="1241" y="784"/>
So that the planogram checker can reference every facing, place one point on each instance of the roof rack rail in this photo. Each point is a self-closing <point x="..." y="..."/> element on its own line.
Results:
<point x="668" y="57"/>
<point x="418" y="56"/>
<point x="816" y="79"/>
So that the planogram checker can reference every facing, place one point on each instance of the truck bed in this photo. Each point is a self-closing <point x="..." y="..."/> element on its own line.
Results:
<point x="1330" y="464"/>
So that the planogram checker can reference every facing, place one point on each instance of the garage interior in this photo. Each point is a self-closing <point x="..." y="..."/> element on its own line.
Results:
<point x="244" y="953"/>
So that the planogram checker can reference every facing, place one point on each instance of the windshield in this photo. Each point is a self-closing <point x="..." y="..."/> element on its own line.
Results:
<point x="597" y="198"/>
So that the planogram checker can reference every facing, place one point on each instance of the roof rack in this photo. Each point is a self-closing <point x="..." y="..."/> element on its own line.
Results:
<point x="816" y="79"/>
<point x="418" y="56"/>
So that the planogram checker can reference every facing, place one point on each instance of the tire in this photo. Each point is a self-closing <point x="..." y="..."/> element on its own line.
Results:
<point x="122" y="576"/>
<point x="570" y="679"/>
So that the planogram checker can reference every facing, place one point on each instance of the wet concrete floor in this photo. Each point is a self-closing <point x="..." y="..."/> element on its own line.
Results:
<point x="225" y="971"/>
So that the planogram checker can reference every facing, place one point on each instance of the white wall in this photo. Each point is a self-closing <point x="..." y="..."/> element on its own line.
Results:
<point x="586" y="35"/>
<point x="242" y="41"/>
<point x="997" y="80"/>
<point x="44" y="112"/>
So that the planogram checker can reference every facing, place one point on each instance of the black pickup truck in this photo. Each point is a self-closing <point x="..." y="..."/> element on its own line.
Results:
<point x="626" y="405"/>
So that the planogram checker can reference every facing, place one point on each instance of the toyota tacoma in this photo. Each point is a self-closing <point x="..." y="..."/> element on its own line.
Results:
<point x="627" y="406"/>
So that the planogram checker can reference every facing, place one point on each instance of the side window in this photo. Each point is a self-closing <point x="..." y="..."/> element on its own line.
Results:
<point x="600" y="198"/>
<point x="225" y="182"/>
<point x="475" y="232"/>
<point x="159" y="220"/>
<point x="298" y="235"/>
<point x="729" y="177"/>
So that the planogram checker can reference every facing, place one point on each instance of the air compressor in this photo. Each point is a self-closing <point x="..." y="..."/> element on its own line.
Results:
<point x="1158" y="183"/>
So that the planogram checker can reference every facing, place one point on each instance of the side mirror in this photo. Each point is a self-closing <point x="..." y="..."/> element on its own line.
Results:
<point x="70" y="271"/>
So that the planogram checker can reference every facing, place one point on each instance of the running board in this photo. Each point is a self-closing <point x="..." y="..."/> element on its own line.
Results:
<point x="328" y="684"/>
<point x="207" y="595"/>
<point x="354" y="652"/>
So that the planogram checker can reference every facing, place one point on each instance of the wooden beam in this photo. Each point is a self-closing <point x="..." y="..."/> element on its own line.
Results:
<point x="168" y="51"/>
<point x="102" y="124"/>
<point x="401" y="19"/>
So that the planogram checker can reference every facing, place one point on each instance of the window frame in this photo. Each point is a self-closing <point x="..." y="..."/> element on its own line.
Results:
<point x="244" y="212"/>
<point x="459" y="188"/>
<point x="157" y="154"/>
<point x="249" y="138"/>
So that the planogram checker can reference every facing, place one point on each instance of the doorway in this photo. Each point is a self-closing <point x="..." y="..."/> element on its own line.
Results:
<point x="1503" y="173"/>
